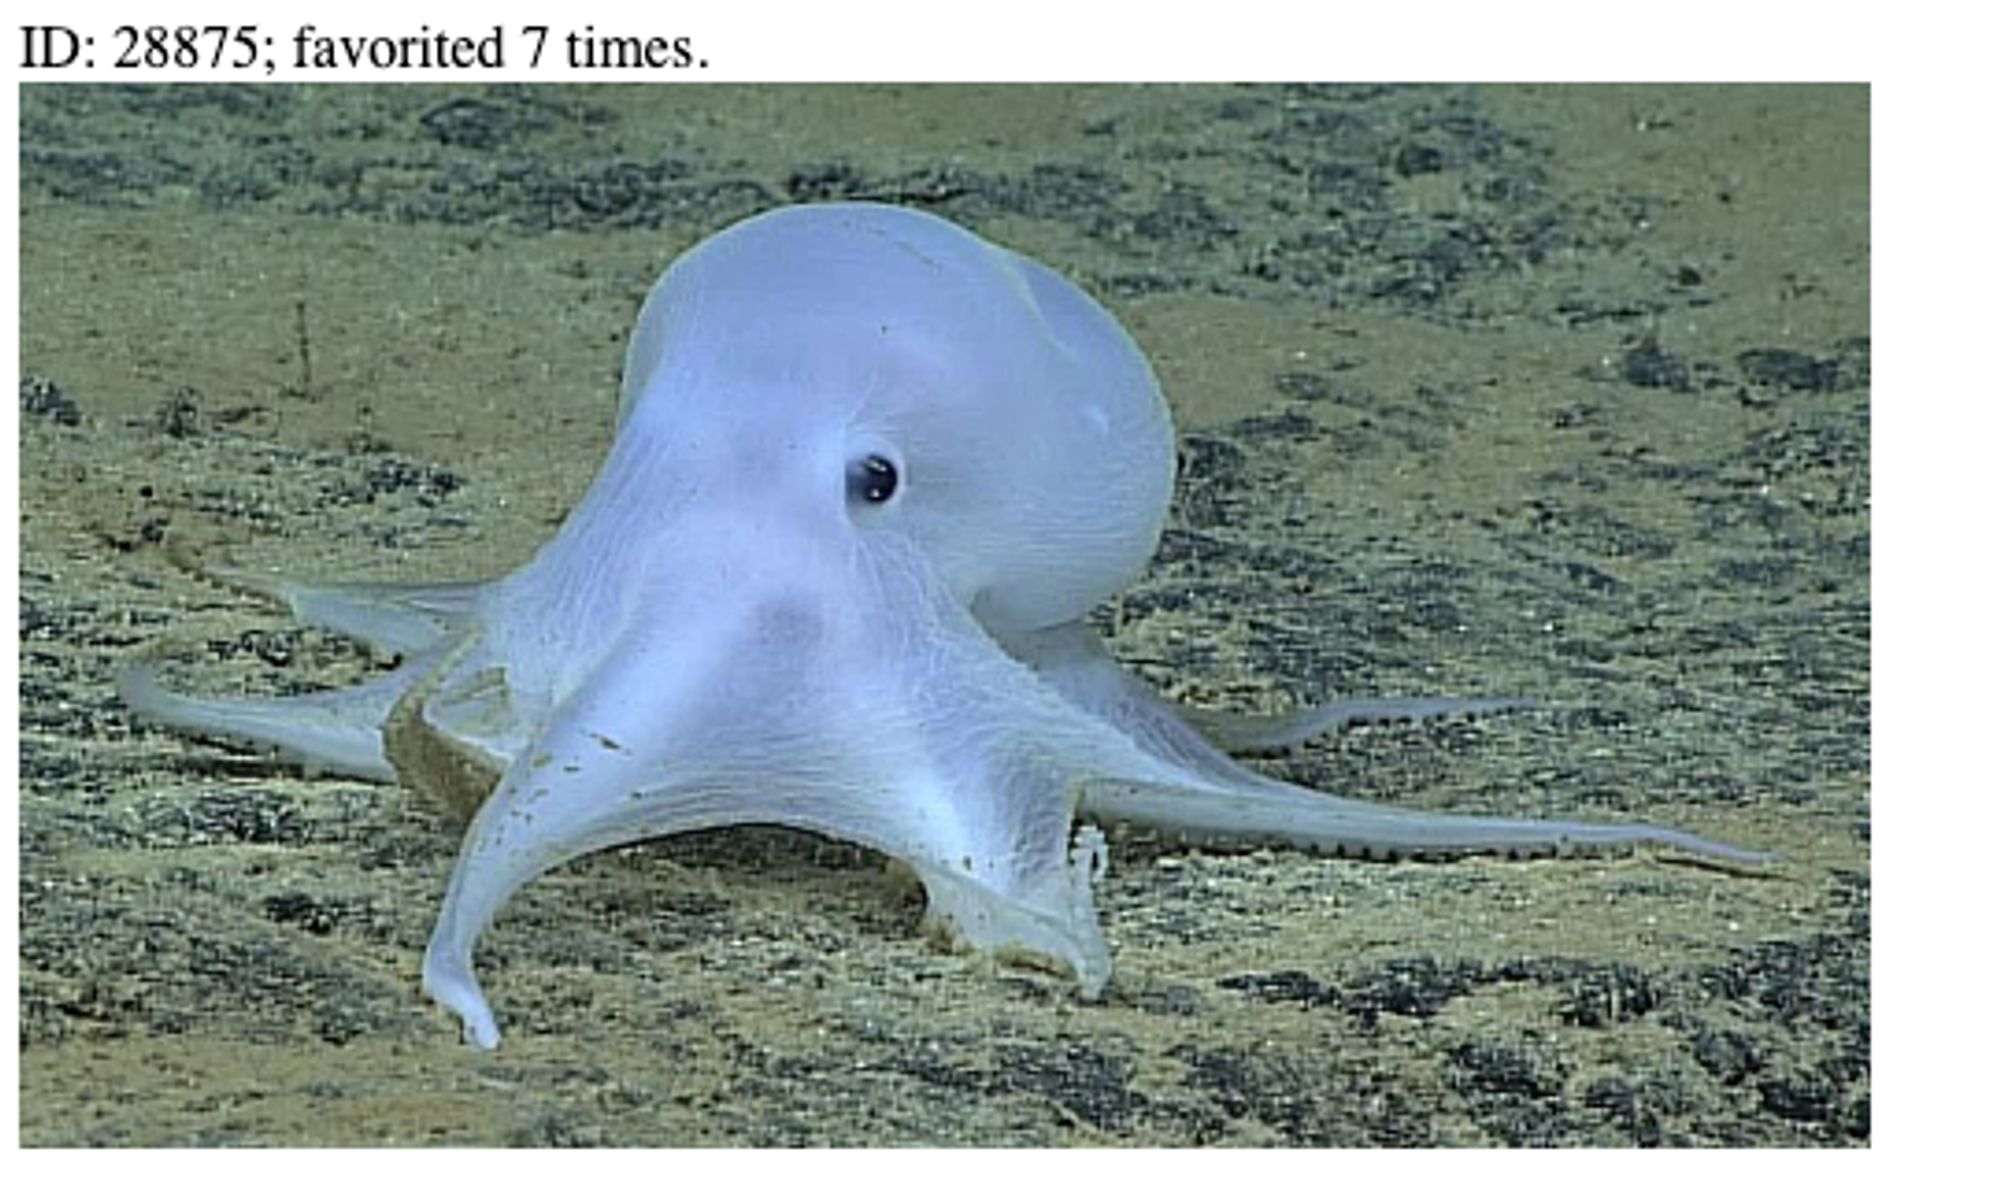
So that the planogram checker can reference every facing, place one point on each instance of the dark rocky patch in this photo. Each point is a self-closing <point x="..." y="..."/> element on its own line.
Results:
<point x="43" y="399"/>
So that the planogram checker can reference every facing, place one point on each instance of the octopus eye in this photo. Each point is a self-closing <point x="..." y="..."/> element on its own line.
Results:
<point x="871" y="479"/>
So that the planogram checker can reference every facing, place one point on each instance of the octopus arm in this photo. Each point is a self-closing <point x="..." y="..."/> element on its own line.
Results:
<point x="1235" y="732"/>
<point x="335" y="730"/>
<point x="1198" y="793"/>
<point x="390" y="618"/>
<point x="1327" y="823"/>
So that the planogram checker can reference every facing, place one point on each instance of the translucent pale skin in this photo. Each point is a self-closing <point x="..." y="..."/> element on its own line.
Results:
<point x="739" y="624"/>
